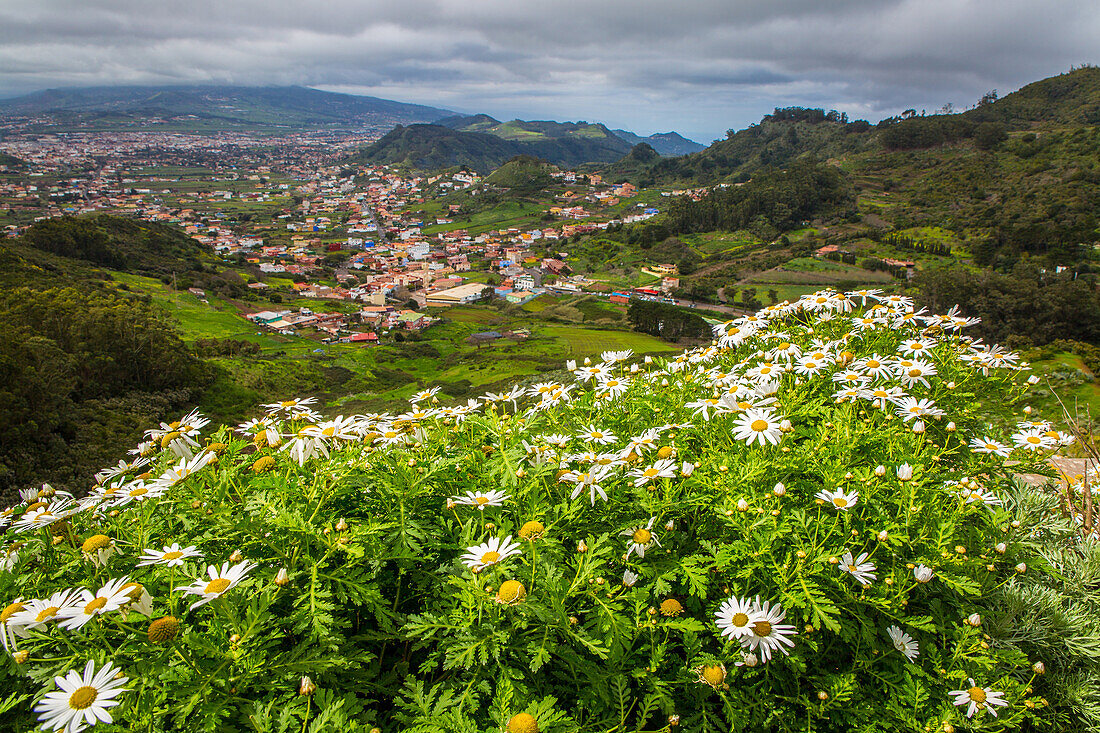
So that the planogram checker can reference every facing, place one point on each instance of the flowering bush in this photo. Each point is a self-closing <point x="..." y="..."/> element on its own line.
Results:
<point x="797" y="526"/>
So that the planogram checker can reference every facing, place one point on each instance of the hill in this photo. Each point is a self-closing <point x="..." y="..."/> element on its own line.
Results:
<point x="215" y="107"/>
<point x="470" y="140"/>
<point x="10" y="160"/>
<point x="116" y="243"/>
<point x="665" y="143"/>
<point x="1070" y="99"/>
<point x="522" y="175"/>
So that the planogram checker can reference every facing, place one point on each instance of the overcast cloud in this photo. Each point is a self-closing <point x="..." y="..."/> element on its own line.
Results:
<point x="696" y="67"/>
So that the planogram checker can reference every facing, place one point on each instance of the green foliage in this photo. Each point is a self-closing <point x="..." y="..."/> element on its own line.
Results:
<point x="117" y="243"/>
<point x="354" y="530"/>
<point x="667" y="321"/>
<point x="1026" y="304"/>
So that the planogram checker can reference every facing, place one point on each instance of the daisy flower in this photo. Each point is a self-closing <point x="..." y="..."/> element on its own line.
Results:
<point x="37" y="613"/>
<point x="641" y="538"/>
<point x="481" y="499"/>
<point x="110" y="597"/>
<point x="914" y="372"/>
<point x="839" y="498"/>
<point x="766" y="634"/>
<point x="589" y="479"/>
<point x="81" y="700"/>
<point x="629" y="578"/>
<point x="290" y="406"/>
<point x="904" y="643"/>
<point x="496" y="550"/>
<point x="425" y="394"/>
<point x="220" y="582"/>
<point x="735" y="617"/>
<point x="858" y="568"/>
<point x="977" y="698"/>
<point x="172" y="555"/>
<point x="1034" y="439"/>
<point x="978" y="495"/>
<point x="916" y="347"/>
<point x="706" y="406"/>
<point x="306" y="444"/>
<point x="664" y="468"/>
<point x="596" y="435"/>
<point x="758" y="425"/>
<point x="874" y="366"/>
<point x="910" y="408"/>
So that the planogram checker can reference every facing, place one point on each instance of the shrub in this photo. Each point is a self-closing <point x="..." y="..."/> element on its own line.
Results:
<point x="781" y="530"/>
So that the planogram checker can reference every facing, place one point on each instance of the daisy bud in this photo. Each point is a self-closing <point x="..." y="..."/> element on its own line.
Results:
<point x="582" y="546"/>
<point x="742" y="505"/>
<point x="306" y="686"/>
<point x="779" y="490"/>
<point x="629" y="579"/>
<point x="1021" y="568"/>
<point x="785" y="426"/>
<point x="1039" y="668"/>
<point x="571" y="365"/>
<point x="587" y="361"/>
<point x="883" y="536"/>
<point x="833" y="560"/>
<point x="664" y="382"/>
<point x="341" y="526"/>
<point x="490" y="525"/>
<point x="281" y="578"/>
<point x="236" y="556"/>
<point x="1001" y="548"/>
<point x="674" y="720"/>
<point x="948" y="728"/>
<point x="888" y="581"/>
<point x="974" y="620"/>
<point x="1033" y="379"/>
<point x="670" y="525"/>
<point x="880" y="471"/>
<point x="21" y="656"/>
<point x="1027" y="410"/>
<point x="991" y="567"/>
<point x="1015" y="523"/>
<point x="234" y="639"/>
<point x="905" y="472"/>
<point x="918" y="427"/>
<point x="801" y="555"/>
<point x="922" y="573"/>
<point x="823" y="696"/>
<point x="950" y="427"/>
<point x="951" y="385"/>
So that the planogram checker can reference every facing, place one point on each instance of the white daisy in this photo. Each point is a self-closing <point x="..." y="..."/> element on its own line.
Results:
<point x="978" y="698"/>
<point x="1033" y="439"/>
<point x="766" y="633"/>
<point x="858" y="568"/>
<point x="735" y="617"/>
<point x="220" y="582"/>
<point x="172" y="555"/>
<point x="81" y="700"/>
<point x="110" y="597"/>
<point x="641" y="538"/>
<point x="481" y="499"/>
<point x="904" y="643"/>
<point x="839" y="499"/>
<point x="593" y="434"/>
<point x="758" y="425"/>
<point x="586" y="479"/>
<point x="37" y="613"/>
<point x="664" y="468"/>
<point x="496" y="550"/>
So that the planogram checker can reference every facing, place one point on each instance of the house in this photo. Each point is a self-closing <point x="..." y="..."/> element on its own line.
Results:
<point x="620" y="298"/>
<point x="519" y="297"/>
<point x="468" y="293"/>
<point x="664" y="269"/>
<point x="555" y="266"/>
<point x="369" y="338"/>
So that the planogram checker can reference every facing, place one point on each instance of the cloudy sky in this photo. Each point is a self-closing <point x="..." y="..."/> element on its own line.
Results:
<point x="695" y="66"/>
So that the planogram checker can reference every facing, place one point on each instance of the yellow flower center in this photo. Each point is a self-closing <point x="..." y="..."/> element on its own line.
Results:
<point x="46" y="613"/>
<point x="96" y="542"/>
<point x="481" y="500"/>
<point x="217" y="586"/>
<point x="139" y="491"/>
<point x="45" y="516"/>
<point x="328" y="432"/>
<point x="10" y="610"/>
<point x="511" y="591"/>
<point x="490" y="557"/>
<point x="714" y="675"/>
<point x="916" y="347"/>
<point x="288" y="403"/>
<point x="83" y="697"/>
<point x="977" y="694"/>
<point x="650" y="472"/>
<point x="173" y="555"/>
<point x="840" y="501"/>
<point x="914" y="372"/>
<point x="642" y="536"/>
<point x="1034" y="439"/>
<point x="852" y="568"/>
<point x="784" y="346"/>
<point x="94" y="605"/>
<point x="531" y="530"/>
<point x="873" y="364"/>
<point x="992" y="446"/>
<point x="164" y="629"/>
<point x="762" y="628"/>
<point x="759" y="425"/>
<point x="739" y="620"/>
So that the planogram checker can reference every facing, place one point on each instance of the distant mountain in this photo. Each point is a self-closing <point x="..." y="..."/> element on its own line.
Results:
<point x="214" y="106"/>
<point x="665" y="143"/>
<point x="483" y="144"/>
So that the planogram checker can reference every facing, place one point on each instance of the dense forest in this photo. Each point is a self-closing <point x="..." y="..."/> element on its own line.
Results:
<point x="81" y="370"/>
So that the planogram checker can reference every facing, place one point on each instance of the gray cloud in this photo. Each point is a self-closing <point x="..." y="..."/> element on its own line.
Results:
<point x="699" y="67"/>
